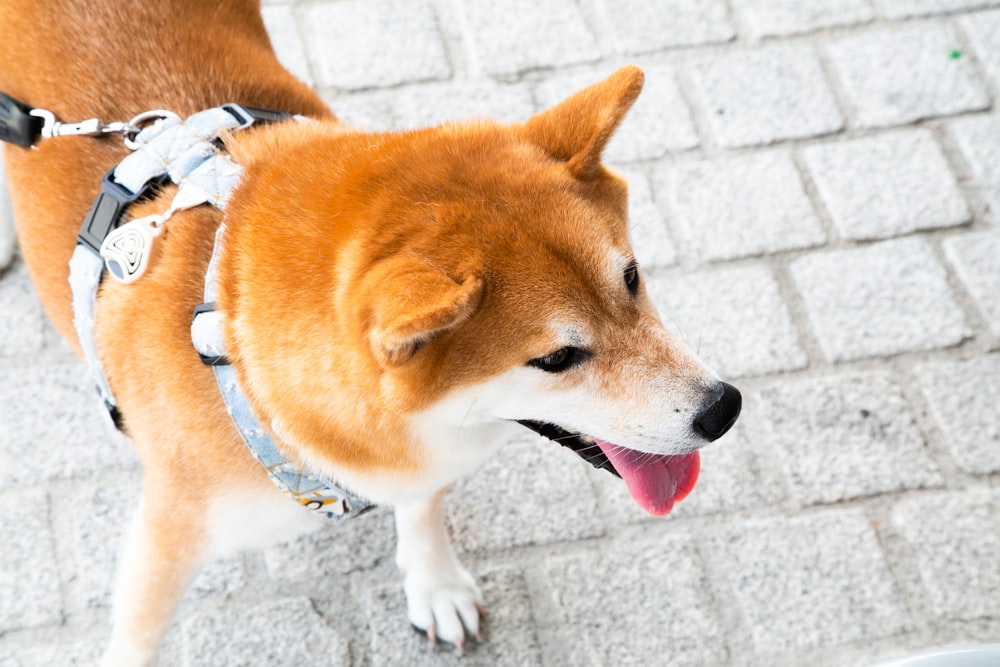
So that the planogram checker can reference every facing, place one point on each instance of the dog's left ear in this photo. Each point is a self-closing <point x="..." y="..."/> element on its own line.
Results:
<point x="577" y="130"/>
<point x="413" y="304"/>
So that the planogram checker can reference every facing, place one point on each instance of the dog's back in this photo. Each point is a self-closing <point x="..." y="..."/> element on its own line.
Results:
<point x="113" y="61"/>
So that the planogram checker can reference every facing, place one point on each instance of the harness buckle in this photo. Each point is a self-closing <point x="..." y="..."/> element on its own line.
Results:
<point x="107" y="210"/>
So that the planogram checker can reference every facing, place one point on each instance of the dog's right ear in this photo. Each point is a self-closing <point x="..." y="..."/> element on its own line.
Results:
<point x="411" y="304"/>
<point x="577" y="130"/>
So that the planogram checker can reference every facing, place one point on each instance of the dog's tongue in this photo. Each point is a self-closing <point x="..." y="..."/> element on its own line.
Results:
<point x="656" y="482"/>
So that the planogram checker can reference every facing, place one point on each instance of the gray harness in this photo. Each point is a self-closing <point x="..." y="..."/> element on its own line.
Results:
<point x="185" y="152"/>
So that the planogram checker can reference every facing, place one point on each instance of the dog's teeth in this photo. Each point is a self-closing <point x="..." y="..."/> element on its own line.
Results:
<point x="586" y="438"/>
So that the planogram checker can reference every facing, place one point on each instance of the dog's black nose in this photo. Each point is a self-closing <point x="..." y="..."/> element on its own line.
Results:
<point x="719" y="417"/>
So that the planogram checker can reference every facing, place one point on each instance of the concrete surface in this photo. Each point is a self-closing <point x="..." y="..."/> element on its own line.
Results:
<point x="816" y="198"/>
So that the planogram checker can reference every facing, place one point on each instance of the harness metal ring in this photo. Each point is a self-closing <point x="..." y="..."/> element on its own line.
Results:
<point x="138" y="122"/>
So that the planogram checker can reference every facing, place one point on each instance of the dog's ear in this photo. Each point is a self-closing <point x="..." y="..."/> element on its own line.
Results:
<point x="577" y="130"/>
<point x="413" y="304"/>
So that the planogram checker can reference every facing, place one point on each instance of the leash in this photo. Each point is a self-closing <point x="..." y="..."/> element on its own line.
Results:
<point x="166" y="148"/>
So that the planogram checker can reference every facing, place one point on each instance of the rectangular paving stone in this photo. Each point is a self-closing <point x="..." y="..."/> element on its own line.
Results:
<point x="335" y="550"/>
<point x="276" y="632"/>
<point x="287" y="41"/>
<point x="512" y="37"/>
<point x="54" y="427"/>
<point x="769" y="18"/>
<point x="883" y="299"/>
<point x="887" y="185"/>
<point x="765" y="95"/>
<point x="435" y="104"/>
<point x="29" y="578"/>
<point x="657" y="124"/>
<point x="983" y="29"/>
<point x="641" y="26"/>
<point x="735" y="318"/>
<point x="737" y="206"/>
<point x="22" y="320"/>
<point x="845" y="437"/>
<point x="532" y="492"/>
<point x="978" y="138"/>
<point x="956" y="539"/>
<point x="91" y="524"/>
<point x="975" y="258"/>
<point x="358" y="44"/>
<point x="896" y="76"/>
<point x="648" y="234"/>
<point x="808" y="582"/>
<point x="897" y="9"/>
<point x="640" y="599"/>
<point x="508" y="629"/>
<point x="963" y="397"/>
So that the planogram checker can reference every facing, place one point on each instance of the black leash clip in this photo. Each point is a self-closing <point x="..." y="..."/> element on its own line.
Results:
<point x="17" y="124"/>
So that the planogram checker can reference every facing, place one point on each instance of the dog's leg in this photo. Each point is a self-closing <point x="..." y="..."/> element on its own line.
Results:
<point x="441" y="596"/>
<point x="160" y="557"/>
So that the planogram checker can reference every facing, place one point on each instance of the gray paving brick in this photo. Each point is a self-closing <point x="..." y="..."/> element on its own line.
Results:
<point x="979" y="140"/>
<point x="53" y="427"/>
<point x="80" y="654"/>
<point x="278" y="632"/>
<point x="29" y="581"/>
<point x="372" y="43"/>
<point x="286" y="40"/>
<point x="22" y="320"/>
<point x="768" y="18"/>
<point x="651" y="242"/>
<point x="734" y="477"/>
<point x="956" y="538"/>
<point x="92" y="523"/>
<point x="640" y="26"/>
<point x="846" y="437"/>
<point x="808" y="582"/>
<point x="896" y="76"/>
<point x="435" y="104"/>
<point x="887" y="185"/>
<point x="963" y="396"/>
<point x="365" y="112"/>
<point x="658" y="123"/>
<point x="765" y="95"/>
<point x="897" y="9"/>
<point x="733" y="207"/>
<point x="335" y="550"/>
<point x="983" y="29"/>
<point x="882" y="299"/>
<point x="974" y="257"/>
<point x="640" y="600"/>
<point x="530" y="493"/>
<point x="508" y="630"/>
<point x="734" y="317"/>
<point x="512" y="37"/>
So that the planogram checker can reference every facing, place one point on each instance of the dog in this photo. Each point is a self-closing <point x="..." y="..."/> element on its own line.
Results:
<point x="394" y="306"/>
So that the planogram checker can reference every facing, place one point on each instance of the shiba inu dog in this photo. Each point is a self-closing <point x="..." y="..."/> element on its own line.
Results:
<point x="395" y="305"/>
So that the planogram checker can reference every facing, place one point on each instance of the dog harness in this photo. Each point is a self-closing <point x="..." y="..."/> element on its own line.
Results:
<point x="185" y="152"/>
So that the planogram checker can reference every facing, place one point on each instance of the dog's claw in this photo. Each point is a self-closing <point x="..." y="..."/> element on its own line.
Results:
<point x="459" y="648"/>
<point x="432" y="636"/>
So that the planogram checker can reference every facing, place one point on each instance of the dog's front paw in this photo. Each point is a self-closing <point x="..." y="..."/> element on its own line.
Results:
<point x="445" y="604"/>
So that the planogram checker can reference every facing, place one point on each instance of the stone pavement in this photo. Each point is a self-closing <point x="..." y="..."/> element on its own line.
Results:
<point x="816" y="200"/>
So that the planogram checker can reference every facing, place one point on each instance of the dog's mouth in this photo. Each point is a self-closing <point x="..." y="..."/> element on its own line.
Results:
<point x="656" y="481"/>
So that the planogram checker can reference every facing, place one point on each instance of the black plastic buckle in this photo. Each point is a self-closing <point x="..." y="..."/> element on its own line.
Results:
<point x="250" y="115"/>
<point x="17" y="125"/>
<point x="108" y="209"/>
<point x="209" y="307"/>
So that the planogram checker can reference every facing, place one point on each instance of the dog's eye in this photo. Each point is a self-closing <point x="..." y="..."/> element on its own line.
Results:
<point x="560" y="360"/>
<point x="632" y="278"/>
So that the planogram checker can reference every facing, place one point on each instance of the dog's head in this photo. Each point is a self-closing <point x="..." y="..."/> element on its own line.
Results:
<point x="483" y="273"/>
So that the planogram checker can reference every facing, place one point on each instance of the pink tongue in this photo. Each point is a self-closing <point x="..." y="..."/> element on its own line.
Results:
<point x="655" y="481"/>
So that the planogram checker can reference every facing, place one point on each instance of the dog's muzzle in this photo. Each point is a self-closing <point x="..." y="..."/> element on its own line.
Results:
<point x="719" y="417"/>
